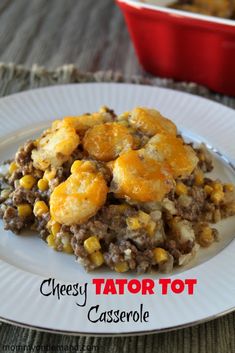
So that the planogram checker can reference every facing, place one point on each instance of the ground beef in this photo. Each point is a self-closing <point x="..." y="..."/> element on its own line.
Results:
<point x="82" y="232"/>
<point x="40" y="225"/>
<point x="21" y="195"/>
<point x="191" y="206"/>
<point x="15" y="223"/>
<point x="205" y="159"/>
<point x="119" y="252"/>
<point x="23" y="155"/>
<point x="171" y="246"/>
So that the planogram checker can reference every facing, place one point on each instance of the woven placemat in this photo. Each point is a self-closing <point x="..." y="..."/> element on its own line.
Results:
<point x="217" y="336"/>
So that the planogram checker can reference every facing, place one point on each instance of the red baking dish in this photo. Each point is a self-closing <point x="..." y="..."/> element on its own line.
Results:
<point x="183" y="45"/>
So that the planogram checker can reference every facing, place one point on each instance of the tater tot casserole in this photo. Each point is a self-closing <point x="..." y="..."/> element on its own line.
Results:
<point x="218" y="8"/>
<point x="122" y="191"/>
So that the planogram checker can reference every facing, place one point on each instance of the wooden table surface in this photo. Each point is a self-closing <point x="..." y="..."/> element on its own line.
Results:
<point x="89" y="33"/>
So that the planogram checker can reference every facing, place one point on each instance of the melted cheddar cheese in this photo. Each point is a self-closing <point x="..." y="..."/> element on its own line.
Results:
<point x="151" y="122"/>
<point x="80" y="196"/>
<point x="139" y="177"/>
<point x="181" y="158"/>
<point x="106" y="141"/>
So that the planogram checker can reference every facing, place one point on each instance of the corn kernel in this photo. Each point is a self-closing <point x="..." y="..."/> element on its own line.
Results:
<point x="229" y="187"/>
<point x="121" y="267"/>
<point x="51" y="240"/>
<point x="181" y="189"/>
<point x="133" y="223"/>
<point x="160" y="255"/>
<point x="12" y="167"/>
<point x="55" y="228"/>
<point x="97" y="258"/>
<point x="49" y="174"/>
<point x="40" y="207"/>
<point x="92" y="244"/>
<point x="144" y="217"/>
<point x="199" y="178"/>
<point x="208" y="189"/>
<point x="43" y="184"/>
<point x="206" y="237"/>
<point x="217" y="186"/>
<point x="68" y="249"/>
<point x="27" y="181"/>
<point x="151" y="228"/>
<point x="217" y="197"/>
<point x="24" y="210"/>
<point x="75" y="166"/>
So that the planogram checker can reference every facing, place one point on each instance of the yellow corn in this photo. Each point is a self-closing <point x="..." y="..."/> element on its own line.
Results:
<point x="27" y="181"/>
<point x="121" y="267"/>
<point x="51" y="240"/>
<point x="40" y="207"/>
<point x="217" y="197"/>
<point x="217" y="186"/>
<point x="151" y="227"/>
<point x="206" y="237"/>
<point x="12" y="167"/>
<point x="49" y="174"/>
<point x="160" y="255"/>
<point x="199" y="178"/>
<point x="92" y="244"/>
<point x="229" y="187"/>
<point x="133" y="223"/>
<point x="24" y="210"/>
<point x="55" y="228"/>
<point x="181" y="189"/>
<point x="97" y="258"/>
<point x="43" y="184"/>
<point x="68" y="248"/>
<point x="208" y="189"/>
<point x="144" y="217"/>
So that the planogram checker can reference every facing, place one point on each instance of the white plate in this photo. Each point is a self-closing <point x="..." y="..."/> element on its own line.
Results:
<point x="25" y="261"/>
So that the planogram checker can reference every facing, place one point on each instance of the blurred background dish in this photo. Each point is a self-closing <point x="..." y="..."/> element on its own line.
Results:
<point x="183" y="45"/>
<point x="219" y="8"/>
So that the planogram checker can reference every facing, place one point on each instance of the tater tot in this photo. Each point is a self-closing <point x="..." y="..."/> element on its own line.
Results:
<point x="106" y="141"/>
<point x="83" y="122"/>
<point x="170" y="148"/>
<point x="80" y="196"/>
<point x="140" y="177"/>
<point x="151" y="122"/>
<point x="55" y="146"/>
